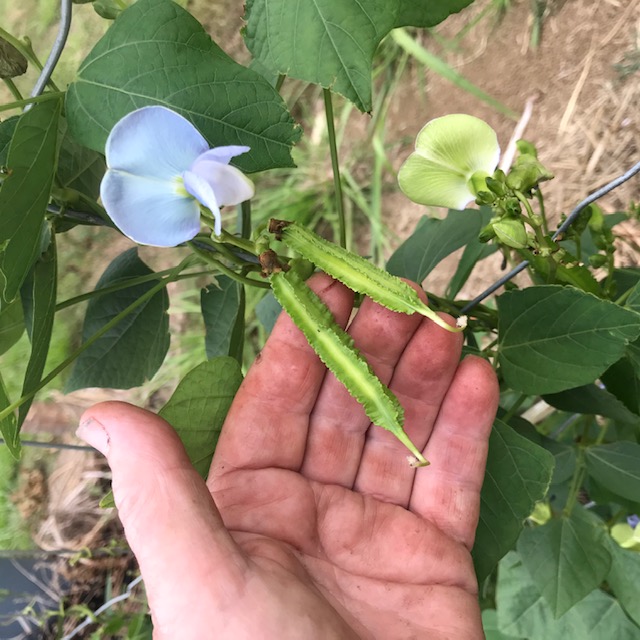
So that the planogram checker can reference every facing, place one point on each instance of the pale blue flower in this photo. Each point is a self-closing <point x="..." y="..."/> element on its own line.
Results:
<point x="160" y="169"/>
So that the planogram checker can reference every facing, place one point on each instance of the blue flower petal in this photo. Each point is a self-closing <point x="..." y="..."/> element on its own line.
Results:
<point x="154" y="142"/>
<point x="224" y="154"/>
<point x="229" y="184"/>
<point x="202" y="190"/>
<point x="150" y="211"/>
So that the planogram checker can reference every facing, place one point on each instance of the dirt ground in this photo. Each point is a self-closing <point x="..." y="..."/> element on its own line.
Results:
<point x="585" y="122"/>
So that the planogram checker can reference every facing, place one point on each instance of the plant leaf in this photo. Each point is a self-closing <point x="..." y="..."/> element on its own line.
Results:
<point x="24" y="193"/>
<point x="326" y="42"/>
<point x="43" y="309"/>
<point x="426" y="13"/>
<point x="583" y="338"/>
<point x="490" y="626"/>
<point x="616" y="466"/>
<point x="9" y="424"/>
<point x="591" y="399"/>
<point x="267" y="311"/>
<point x="134" y="349"/>
<point x="433" y="240"/>
<point x="624" y="579"/>
<point x="566" y="558"/>
<point x="524" y="613"/>
<point x="517" y="476"/>
<point x="221" y="308"/>
<point x="7" y="128"/>
<point x="199" y="405"/>
<point x="11" y="323"/>
<point x="79" y="168"/>
<point x="156" y="53"/>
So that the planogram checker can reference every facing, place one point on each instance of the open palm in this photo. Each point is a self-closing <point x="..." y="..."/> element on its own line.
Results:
<point x="320" y="528"/>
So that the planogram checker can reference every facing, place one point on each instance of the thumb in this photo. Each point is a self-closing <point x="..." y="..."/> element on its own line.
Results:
<point x="169" y="516"/>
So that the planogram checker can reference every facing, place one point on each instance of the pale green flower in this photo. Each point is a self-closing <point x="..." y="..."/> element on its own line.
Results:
<point x="453" y="157"/>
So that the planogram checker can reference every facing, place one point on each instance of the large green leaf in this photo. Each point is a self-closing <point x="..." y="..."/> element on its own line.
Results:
<point x="623" y="382"/>
<point x="616" y="466"/>
<point x="427" y="13"/>
<point x="624" y="579"/>
<point x="24" y="193"/>
<point x="490" y="626"/>
<point x="222" y="308"/>
<point x="199" y="405"/>
<point x="566" y="558"/>
<point x="156" y="53"/>
<point x="524" y="613"/>
<point x="79" y="168"/>
<point x="591" y="399"/>
<point x="517" y="476"/>
<point x="553" y="338"/>
<point x="133" y="350"/>
<point x="633" y="301"/>
<point x="327" y="42"/>
<point x="332" y="42"/>
<point x="433" y="240"/>
<point x="42" y="311"/>
<point x="267" y="311"/>
<point x="11" y="323"/>
<point x="9" y="425"/>
<point x="7" y="128"/>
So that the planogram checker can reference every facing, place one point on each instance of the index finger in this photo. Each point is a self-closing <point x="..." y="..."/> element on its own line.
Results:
<point x="269" y="418"/>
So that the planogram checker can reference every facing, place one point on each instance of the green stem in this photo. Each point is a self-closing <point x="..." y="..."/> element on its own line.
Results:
<point x="543" y="211"/>
<point x="529" y="217"/>
<point x="19" y="104"/>
<point x="175" y="272"/>
<point x="576" y="483"/>
<point x="337" y="182"/>
<point x="11" y="85"/>
<point x="245" y="219"/>
<point x="623" y="298"/>
<point x="208" y="258"/>
<point x="280" y="81"/>
<point x="514" y="407"/>
<point x="125" y="285"/>
<point x="241" y="243"/>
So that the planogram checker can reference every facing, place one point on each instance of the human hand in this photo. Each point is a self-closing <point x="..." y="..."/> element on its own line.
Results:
<point x="320" y="529"/>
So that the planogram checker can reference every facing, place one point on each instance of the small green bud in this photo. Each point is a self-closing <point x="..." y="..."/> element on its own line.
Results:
<point x="526" y="147"/>
<point x="497" y="187"/>
<point x="478" y="182"/>
<point x="511" y="233"/>
<point x="597" y="260"/>
<point x="487" y="233"/>
<point x="527" y="173"/>
<point x="485" y="197"/>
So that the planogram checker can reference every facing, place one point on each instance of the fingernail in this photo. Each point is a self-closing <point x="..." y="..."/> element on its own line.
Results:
<point x="94" y="434"/>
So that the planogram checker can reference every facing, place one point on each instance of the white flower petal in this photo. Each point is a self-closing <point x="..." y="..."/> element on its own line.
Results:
<point x="149" y="211"/>
<point x="224" y="154"/>
<point x="202" y="190"/>
<point x="229" y="184"/>
<point x="154" y="142"/>
<point x="429" y="183"/>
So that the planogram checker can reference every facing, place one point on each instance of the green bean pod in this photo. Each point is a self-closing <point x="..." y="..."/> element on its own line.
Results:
<point x="357" y="273"/>
<point x="335" y="348"/>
